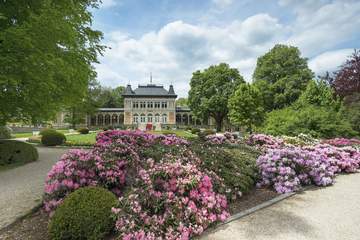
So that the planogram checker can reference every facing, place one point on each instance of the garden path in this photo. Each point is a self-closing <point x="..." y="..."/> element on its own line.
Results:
<point x="330" y="213"/>
<point x="21" y="188"/>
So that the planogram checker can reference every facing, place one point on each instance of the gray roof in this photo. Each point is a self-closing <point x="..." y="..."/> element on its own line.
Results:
<point x="149" y="90"/>
<point x="110" y="109"/>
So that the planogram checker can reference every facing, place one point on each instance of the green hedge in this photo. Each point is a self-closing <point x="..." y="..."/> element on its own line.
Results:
<point x="84" y="214"/>
<point x="83" y="130"/>
<point x="5" y="132"/>
<point x="51" y="137"/>
<point x="236" y="165"/>
<point x="16" y="152"/>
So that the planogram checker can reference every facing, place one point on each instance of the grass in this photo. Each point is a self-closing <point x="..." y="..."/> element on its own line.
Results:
<point x="81" y="139"/>
<point x="29" y="134"/>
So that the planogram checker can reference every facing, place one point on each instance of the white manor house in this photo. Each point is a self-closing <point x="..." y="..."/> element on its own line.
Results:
<point x="148" y="106"/>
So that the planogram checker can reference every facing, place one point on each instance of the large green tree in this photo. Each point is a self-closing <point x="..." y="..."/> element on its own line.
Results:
<point x="210" y="90"/>
<point x="47" y="48"/>
<point x="111" y="97"/>
<point x="246" y="107"/>
<point x="77" y="111"/>
<point x="281" y="75"/>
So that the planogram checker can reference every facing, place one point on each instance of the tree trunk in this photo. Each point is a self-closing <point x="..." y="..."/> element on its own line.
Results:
<point x="218" y="124"/>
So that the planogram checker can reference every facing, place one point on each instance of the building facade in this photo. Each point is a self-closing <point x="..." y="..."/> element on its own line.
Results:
<point x="147" y="107"/>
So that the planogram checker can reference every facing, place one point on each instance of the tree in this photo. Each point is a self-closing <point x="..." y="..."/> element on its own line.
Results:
<point x="347" y="79"/>
<point x="318" y="93"/>
<point x="281" y="75"/>
<point x="246" y="107"/>
<point x="77" y="111"/>
<point x="182" y="102"/>
<point x="112" y="98"/>
<point x="47" y="51"/>
<point x="210" y="90"/>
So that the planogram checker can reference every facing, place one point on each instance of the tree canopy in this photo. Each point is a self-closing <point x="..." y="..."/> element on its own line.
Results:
<point x="211" y="89"/>
<point x="281" y="75"/>
<point x="246" y="107"/>
<point x="347" y="79"/>
<point x="47" y="49"/>
<point x="182" y="102"/>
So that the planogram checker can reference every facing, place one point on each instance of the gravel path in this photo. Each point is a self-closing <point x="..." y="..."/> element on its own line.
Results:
<point x="331" y="213"/>
<point x="21" y="188"/>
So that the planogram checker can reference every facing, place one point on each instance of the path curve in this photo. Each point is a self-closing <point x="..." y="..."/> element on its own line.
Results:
<point x="331" y="213"/>
<point x="21" y="188"/>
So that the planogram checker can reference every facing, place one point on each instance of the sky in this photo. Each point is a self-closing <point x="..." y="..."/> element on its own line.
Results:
<point x="172" y="39"/>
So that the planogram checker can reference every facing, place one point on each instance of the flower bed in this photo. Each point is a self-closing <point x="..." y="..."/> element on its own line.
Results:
<point x="171" y="188"/>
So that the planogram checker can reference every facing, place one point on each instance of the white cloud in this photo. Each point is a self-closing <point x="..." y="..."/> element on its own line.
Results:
<point x="320" y="26"/>
<point x="179" y="48"/>
<point x="329" y="61"/>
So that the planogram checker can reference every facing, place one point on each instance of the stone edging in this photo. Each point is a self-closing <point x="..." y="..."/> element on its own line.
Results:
<point x="18" y="219"/>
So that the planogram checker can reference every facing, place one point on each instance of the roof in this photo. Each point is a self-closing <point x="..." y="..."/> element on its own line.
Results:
<point x="150" y="90"/>
<point x="110" y="109"/>
<point x="183" y="109"/>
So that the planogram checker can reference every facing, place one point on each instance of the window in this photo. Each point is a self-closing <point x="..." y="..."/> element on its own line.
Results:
<point x="136" y="118"/>
<point x="149" y="118"/>
<point x="164" y="118"/>
<point x="142" y="118"/>
<point x="157" y="104"/>
<point x="157" y="118"/>
<point x="150" y="104"/>
<point x="164" y="105"/>
<point x="135" y="104"/>
<point x="142" y="104"/>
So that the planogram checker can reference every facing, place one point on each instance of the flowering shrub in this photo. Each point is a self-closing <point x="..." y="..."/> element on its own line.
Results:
<point x="226" y="138"/>
<point x="265" y="141"/>
<point x="300" y="140"/>
<point x="288" y="168"/>
<point x="169" y="201"/>
<point x="75" y="169"/>
<point x="342" y="142"/>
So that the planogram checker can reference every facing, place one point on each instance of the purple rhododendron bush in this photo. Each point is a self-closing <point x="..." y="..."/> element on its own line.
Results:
<point x="287" y="166"/>
<point x="168" y="197"/>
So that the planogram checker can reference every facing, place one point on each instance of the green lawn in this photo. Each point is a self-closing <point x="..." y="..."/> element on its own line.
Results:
<point x="29" y="134"/>
<point x="81" y="139"/>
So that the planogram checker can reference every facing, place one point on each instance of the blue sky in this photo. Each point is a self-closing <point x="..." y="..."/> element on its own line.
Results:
<point x="172" y="38"/>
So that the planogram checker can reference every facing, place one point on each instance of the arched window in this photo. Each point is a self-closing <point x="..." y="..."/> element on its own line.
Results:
<point x="100" y="119"/>
<point x="93" y="121"/>
<point x="114" y="119"/>
<point x="164" y="118"/>
<point x="142" y="118"/>
<point x="107" y="119"/>
<point x="149" y="117"/>
<point x="157" y="118"/>
<point x="178" y="119"/>
<point x="136" y="118"/>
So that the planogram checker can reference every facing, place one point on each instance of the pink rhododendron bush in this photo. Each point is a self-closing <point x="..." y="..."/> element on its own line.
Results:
<point x="169" y="201"/>
<point x="169" y="196"/>
<point x="288" y="166"/>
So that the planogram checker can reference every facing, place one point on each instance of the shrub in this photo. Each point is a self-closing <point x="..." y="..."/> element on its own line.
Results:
<point x="5" y="132"/>
<point x="84" y="214"/>
<point x="288" y="169"/>
<point x="195" y="130"/>
<point x="320" y="122"/>
<point x="235" y="165"/>
<point x="46" y="130"/>
<point x="12" y="151"/>
<point x="52" y="138"/>
<point x="170" y="201"/>
<point x="205" y="133"/>
<point x="83" y="130"/>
